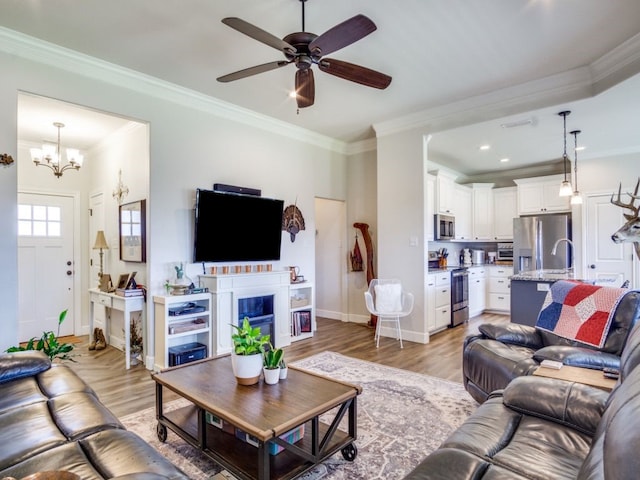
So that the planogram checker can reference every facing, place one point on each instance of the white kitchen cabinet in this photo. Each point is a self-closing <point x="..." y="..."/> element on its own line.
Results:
<point x="439" y="301"/>
<point x="445" y="194"/>
<point x="463" y="213"/>
<point x="540" y="195"/>
<point x="505" y="209"/>
<point x="430" y="209"/>
<point x="477" y="290"/>
<point x="482" y="207"/>
<point x="499" y="291"/>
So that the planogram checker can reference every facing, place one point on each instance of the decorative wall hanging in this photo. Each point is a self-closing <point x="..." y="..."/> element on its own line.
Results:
<point x="6" y="159"/>
<point x="292" y="221"/>
<point x="629" y="231"/>
<point x="121" y="190"/>
<point x="357" y="264"/>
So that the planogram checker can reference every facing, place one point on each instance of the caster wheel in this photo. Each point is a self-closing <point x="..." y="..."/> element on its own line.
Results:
<point x="349" y="452"/>
<point x="161" y="431"/>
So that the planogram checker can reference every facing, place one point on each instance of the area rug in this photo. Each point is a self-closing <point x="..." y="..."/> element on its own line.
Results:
<point x="402" y="417"/>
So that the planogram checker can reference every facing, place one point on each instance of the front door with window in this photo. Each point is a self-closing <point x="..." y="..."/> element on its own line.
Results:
<point x="45" y="264"/>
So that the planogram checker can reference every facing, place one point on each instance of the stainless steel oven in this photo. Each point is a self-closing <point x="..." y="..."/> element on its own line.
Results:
<point x="459" y="296"/>
<point x="444" y="227"/>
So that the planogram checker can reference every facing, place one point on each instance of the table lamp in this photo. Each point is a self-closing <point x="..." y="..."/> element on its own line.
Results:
<point x="100" y="244"/>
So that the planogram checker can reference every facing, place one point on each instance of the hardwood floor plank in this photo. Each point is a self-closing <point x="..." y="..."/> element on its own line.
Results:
<point x="129" y="391"/>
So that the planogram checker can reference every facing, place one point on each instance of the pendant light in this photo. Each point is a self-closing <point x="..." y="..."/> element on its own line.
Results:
<point x="50" y="155"/>
<point x="565" y="187"/>
<point x="576" y="198"/>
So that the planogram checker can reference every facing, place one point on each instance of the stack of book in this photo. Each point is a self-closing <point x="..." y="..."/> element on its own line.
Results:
<point x="300" y="322"/>
<point x="129" y="292"/>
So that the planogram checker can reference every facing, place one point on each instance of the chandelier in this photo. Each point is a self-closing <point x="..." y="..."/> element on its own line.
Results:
<point x="50" y="156"/>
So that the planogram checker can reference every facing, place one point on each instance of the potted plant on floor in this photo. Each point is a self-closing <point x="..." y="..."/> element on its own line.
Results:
<point x="49" y="343"/>
<point x="247" y="355"/>
<point x="272" y="359"/>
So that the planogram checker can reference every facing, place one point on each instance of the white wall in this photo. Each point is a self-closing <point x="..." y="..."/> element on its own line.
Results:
<point x="190" y="146"/>
<point x="400" y="236"/>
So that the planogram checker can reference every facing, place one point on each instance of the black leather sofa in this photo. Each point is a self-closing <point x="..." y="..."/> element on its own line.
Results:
<point x="500" y="353"/>
<point x="546" y="429"/>
<point x="51" y="420"/>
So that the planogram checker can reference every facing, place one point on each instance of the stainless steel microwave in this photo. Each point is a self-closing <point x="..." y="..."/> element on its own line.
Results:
<point x="444" y="227"/>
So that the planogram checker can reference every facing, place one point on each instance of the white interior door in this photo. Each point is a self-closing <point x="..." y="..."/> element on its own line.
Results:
<point x="45" y="264"/>
<point x="608" y="263"/>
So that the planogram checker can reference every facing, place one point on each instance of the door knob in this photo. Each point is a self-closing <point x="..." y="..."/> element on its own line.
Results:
<point x="592" y="266"/>
<point x="69" y="272"/>
<point x="68" y="263"/>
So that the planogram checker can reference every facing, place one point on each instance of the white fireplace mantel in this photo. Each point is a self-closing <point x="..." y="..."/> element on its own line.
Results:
<point x="227" y="289"/>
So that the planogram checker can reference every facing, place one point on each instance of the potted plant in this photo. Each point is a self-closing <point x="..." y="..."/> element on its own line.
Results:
<point x="283" y="369"/>
<point x="48" y="343"/>
<point x="248" y="349"/>
<point x="272" y="359"/>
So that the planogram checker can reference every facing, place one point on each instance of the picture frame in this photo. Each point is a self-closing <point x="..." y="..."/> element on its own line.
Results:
<point x="123" y="279"/>
<point x="132" y="227"/>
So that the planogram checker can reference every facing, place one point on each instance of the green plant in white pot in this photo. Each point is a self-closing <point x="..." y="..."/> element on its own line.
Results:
<point x="248" y="350"/>
<point x="272" y="359"/>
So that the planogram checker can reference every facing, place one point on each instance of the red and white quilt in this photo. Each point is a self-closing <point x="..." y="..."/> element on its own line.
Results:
<point x="579" y="311"/>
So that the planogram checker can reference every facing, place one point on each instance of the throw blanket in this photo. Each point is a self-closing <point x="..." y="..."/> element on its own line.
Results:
<point x="579" y="311"/>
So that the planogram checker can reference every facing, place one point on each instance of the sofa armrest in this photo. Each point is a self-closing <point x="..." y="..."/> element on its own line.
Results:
<point x="578" y="357"/>
<point x="575" y="405"/>
<point x="22" y="364"/>
<point x="513" y="333"/>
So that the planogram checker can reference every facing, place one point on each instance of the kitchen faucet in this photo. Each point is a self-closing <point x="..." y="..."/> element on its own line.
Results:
<point x="555" y="247"/>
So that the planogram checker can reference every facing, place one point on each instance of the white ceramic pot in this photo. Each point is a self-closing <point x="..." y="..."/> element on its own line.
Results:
<point x="246" y="368"/>
<point x="271" y="375"/>
<point x="283" y="372"/>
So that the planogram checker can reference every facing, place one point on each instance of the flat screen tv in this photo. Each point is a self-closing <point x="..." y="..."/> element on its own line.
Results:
<point x="236" y="228"/>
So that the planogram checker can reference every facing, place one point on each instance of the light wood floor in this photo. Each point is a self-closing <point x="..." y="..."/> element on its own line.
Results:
<point x="129" y="391"/>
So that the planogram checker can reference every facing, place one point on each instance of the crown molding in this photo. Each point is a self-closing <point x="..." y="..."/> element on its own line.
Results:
<point x="40" y="51"/>
<point x="362" y="146"/>
<point x="612" y="68"/>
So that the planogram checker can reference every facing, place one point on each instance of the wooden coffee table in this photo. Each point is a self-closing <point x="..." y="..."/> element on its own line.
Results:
<point x="265" y="412"/>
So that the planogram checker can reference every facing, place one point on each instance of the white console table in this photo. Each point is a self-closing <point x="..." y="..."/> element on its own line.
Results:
<point x="126" y="305"/>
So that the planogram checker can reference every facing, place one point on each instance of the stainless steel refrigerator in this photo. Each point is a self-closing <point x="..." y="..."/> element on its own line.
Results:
<point x="533" y="241"/>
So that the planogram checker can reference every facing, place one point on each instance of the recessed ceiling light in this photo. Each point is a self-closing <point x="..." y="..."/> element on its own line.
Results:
<point x="485" y="147"/>
<point x="504" y="160"/>
<point x="579" y="149"/>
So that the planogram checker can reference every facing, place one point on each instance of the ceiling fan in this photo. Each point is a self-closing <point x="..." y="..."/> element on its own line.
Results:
<point x="304" y="49"/>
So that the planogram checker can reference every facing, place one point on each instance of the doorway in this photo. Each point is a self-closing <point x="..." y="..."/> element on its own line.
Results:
<point x="607" y="263"/>
<point x="331" y="271"/>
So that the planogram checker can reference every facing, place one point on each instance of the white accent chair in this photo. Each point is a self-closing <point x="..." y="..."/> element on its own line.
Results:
<point x="388" y="301"/>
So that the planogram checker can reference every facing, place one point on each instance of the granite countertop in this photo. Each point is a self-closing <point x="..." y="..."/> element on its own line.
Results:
<point x="548" y="276"/>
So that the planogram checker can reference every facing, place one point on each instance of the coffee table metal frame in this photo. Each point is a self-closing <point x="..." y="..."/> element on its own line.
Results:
<point x="247" y="462"/>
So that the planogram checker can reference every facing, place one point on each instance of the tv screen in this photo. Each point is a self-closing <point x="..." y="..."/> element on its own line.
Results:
<point x="236" y="228"/>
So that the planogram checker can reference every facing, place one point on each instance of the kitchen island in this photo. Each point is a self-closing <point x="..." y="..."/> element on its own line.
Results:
<point x="529" y="289"/>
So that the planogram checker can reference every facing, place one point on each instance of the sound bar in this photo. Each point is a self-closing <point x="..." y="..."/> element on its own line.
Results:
<point x="221" y="187"/>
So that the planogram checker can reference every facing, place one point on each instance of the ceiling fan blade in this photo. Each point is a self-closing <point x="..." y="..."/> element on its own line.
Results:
<point x="341" y="35"/>
<point x="247" y="72"/>
<point x="258" y="34"/>
<point x="355" y="73"/>
<point x="305" y="88"/>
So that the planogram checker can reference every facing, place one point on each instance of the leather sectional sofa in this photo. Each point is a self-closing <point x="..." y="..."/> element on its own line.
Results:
<point x="547" y="429"/>
<point x="500" y="353"/>
<point x="51" y="420"/>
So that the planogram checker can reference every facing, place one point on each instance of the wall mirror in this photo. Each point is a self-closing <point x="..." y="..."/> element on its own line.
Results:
<point x="132" y="231"/>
